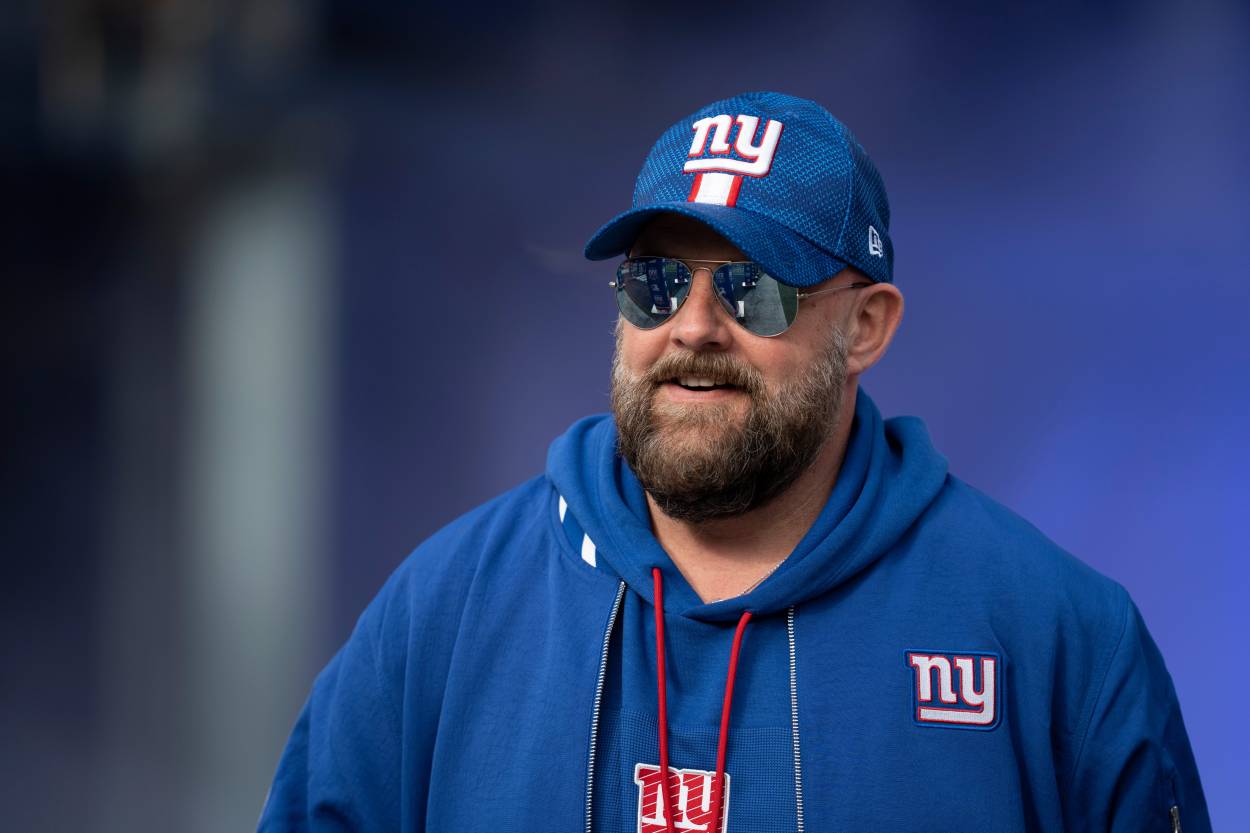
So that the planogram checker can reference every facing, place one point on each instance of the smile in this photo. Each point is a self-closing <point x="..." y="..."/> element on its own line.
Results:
<point x="700" y="383"/>
<point x="698" y="390"/>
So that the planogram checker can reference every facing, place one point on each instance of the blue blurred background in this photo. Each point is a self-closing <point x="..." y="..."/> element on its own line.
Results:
<point x="289" y="285"/>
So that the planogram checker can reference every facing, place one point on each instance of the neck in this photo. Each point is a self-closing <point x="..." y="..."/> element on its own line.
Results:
<point x="722" y="558"/>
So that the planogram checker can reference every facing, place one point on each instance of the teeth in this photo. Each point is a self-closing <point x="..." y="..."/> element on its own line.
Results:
<point x="697" y="382"/>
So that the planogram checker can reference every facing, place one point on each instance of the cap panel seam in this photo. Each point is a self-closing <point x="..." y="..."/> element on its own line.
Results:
<point x="850" y="191"/>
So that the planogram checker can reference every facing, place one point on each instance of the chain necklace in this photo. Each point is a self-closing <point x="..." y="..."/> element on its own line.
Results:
<point x="754" y="584"/>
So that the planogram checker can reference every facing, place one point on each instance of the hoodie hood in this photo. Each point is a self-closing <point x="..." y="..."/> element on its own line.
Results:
<point x="890" y="474"/>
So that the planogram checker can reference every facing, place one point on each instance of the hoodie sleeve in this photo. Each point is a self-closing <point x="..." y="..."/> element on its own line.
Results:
<point x="341" y="767"/>
<point x="1134" y="769"/>
<point x="359" y="758"/>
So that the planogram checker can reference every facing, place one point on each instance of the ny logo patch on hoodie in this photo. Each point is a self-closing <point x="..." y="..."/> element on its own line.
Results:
<point x="691" y="794"/>
<point x="938" y="701"/>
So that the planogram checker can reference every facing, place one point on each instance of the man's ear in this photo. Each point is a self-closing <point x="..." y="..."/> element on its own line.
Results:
<point x="876" y="316"/>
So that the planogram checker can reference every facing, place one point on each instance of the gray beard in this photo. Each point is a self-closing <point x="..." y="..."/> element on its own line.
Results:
<point x="703" y="462"/>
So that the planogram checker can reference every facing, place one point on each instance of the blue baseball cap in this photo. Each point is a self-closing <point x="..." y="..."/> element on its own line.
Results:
<point x="777" y="176"/>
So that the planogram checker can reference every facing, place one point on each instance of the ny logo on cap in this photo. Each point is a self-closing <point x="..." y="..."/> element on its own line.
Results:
<point x="945" y="705"/>
<point x="718" y="175"/>
<point x="691" y="791"/>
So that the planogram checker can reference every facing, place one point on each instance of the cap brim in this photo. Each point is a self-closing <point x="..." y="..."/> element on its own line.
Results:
<point x="787" y="256"/>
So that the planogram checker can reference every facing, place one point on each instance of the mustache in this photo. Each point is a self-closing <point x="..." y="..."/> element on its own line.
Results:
<point x="705" y="365"/>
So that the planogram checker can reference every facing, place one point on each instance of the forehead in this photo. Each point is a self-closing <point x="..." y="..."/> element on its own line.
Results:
<point x="675" y="235"/>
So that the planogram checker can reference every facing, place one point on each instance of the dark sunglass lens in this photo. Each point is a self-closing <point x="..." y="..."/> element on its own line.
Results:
<point x="758" y="302"/>
<point x="650" y="289"/>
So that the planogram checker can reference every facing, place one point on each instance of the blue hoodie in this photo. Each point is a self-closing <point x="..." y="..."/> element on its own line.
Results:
<point x="925" y="660"/>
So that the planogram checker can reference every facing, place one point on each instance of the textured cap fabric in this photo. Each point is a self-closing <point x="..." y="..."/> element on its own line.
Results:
<point x="777" y="176"/>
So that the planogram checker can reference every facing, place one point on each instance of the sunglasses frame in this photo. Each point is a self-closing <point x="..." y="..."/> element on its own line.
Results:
<point x="799" y="295"/>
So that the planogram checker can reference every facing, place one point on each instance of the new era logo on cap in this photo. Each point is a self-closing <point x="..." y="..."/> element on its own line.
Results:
<point x="874" y="243"/>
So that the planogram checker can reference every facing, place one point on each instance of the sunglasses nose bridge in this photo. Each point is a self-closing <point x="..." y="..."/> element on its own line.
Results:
<point x="712" y="288"/>
<point x="700" y="322"/>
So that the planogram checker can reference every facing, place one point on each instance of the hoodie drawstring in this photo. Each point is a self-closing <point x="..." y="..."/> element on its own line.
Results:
<point x="723" y="741"/>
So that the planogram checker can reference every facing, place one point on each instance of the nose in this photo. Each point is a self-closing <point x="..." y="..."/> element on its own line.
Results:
<point x="701" y="323"/>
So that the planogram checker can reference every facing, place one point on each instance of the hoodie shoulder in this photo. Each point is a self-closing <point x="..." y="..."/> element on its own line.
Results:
<point x="486" y="533"/>
<point x="1058" y="621"/>
<point x="1015" y="556"/>
<point x="434" y="579"/>
<point x="426" y="594"/>
<point x="365" y="736"/>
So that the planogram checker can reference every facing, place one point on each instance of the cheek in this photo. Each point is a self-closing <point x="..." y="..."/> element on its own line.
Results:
<point x="791" y="355"/>
<point x="639" y="349"/>
<point x="777" y="362"/>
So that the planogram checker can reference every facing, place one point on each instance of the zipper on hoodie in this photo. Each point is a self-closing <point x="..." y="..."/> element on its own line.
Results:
<point x="794" y="722"/>
<point x="594" y="719"/>
<point x="794" y="714"/>
<point x="1174" y="806"/>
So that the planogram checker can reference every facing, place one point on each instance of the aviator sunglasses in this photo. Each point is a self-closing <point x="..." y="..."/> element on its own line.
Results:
<point x="650" y="290"/>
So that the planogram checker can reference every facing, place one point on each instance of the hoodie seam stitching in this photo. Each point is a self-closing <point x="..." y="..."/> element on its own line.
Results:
<point x="1093" y="708"/>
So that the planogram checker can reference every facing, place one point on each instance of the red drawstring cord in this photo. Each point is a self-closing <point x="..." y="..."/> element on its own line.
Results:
<point x="717" y="821"/>
<point x="659" y="670"/>
<point x="723" y="741"/>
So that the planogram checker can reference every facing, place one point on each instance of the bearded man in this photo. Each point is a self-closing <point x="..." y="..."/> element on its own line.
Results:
<point x="744" y="601"/>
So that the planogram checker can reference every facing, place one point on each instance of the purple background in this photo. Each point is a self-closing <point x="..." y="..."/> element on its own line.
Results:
<point x="1070" y="190"/>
